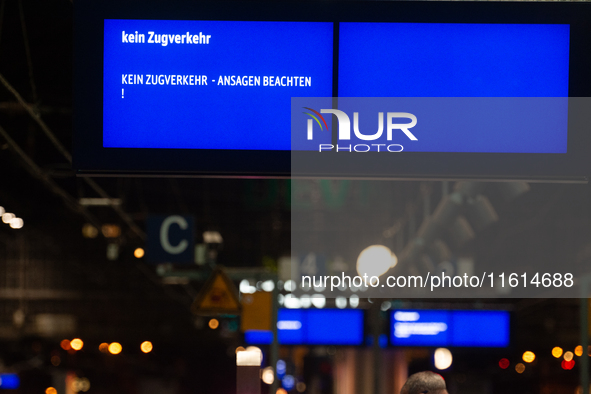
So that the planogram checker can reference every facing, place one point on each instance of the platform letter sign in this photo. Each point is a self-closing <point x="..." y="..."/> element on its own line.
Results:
<point x="170" y="239"/>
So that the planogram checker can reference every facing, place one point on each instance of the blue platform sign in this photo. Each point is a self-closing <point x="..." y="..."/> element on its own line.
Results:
<point x="450" y="328"/>
<point x="313" y="327"/>
<point x="170" y="239"/>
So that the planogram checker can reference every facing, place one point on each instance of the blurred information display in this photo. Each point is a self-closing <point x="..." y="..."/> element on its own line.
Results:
<point x="313" y="327"/>
<point x="450" y="328"/>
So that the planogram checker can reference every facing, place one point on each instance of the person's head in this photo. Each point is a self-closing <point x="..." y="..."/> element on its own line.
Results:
<point x="425" y="382"/>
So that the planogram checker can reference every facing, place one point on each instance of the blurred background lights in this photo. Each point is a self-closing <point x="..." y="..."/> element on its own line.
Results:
<point x="301" y="387"/>
<point x="50" y="390"/>
<point x="354" y="301"/>
<point x="579" y="351"/>
<point x="504" y="363"/>
<point x="318" y="300"/>
<point x="246" y="288"/>
<point x="568" y="356"/>
<point x="146" y="346"/>
<point x="268" y="285"/>
<point x="281" y="368"/>
<point x="289" y="285"/>
<point x="214" y="323"/>
<point x="256" y="350"/>
<point x="281" y="391"/>
<point x="16" y="223"/>
<point x="528" y="357"/>
<point x="288" y="382"/>
<point x="568" y="365"/>
<point x="76" y="344"/>
<point x="65" y="344"/>
<point x="268" y="376"/>
<point x="557" y="352"/>
<point x="2" y="210"/>
<point x="80" y="384"/>
<point x="442" y="358"/>
<point x="139" y="253"/>
<point x="104" y="347"/>
<point x="7" y="217"/>
<point x="115" y="348"/>
<point x="111" y="230"/>
<point x="89" y="231"/>
<point x="519" y="368"/>
<point x="340" y="302"/>
<point x="375" y="260"/>
<point x="239" y="349"/>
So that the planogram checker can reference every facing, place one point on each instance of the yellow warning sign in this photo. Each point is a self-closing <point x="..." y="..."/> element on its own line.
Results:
<point x="218" y="296"/>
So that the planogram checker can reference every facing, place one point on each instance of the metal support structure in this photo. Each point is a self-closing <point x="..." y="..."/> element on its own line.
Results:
<point x="376" y="351"/>
<point x="584" y="324"/>
<point x="274" y="353"/>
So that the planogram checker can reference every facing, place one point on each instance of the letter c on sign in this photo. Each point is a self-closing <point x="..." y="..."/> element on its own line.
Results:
<point x="165" y="242"/>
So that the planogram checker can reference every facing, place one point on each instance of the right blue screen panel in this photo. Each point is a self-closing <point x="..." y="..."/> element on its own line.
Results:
<point x="450" y="328"/>
<point x="453" y="60"/>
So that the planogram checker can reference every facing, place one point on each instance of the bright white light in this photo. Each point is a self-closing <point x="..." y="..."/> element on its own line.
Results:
<point x="212" y="237"/>
<point x="16" y="223"/>
<point x="7" y="217"/>
<point x="291" y="302"/>
<point x="281" y="299"/>
<point x="319" y="301"/>
<point x="319" y="289"/>
<point x="386" y="305"/>
<point x="268" y="285"/>
<point x="289" y="285"/>
<point x="406" y="316"/>
<point x="252" y="356"/>
<point x="442" y="358"/>
<point x="246" y="288"/>
<point x="341" y="302"/>
<point x="354" y="301"/>
<point x="405" y="330"/>
<point x="305" y="301"/>
<point x="2" y="210"/>
<point x="268" y="375"/>
<point x="289" y="325"/>
<point x="375" y="260"/>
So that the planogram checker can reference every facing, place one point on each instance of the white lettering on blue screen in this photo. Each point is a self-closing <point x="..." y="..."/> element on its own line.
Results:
<point x="165" y="39"/>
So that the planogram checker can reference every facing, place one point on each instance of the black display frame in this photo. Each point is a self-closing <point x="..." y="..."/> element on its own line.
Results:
<point x="91" y="158"/>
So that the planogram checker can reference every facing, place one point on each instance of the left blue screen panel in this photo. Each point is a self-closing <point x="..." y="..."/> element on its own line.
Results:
<point x="210" y="84"/>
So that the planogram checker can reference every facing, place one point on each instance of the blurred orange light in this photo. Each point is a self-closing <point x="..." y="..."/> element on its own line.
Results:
<point x="104" y="347"/>
<point x="240" y="349"/>
<point x="65" y="344"/>
<point x="529" y="357"/>
<point x="76" y="344"/>
<point x="557" y="352"/>
<point x="281" y="391"/>
<point x="50" y="390"/>
<point x="568" y="356"/>
<point x="115" y="348"/>
<point x="138" y="253"/>
<point x="568" y="365"/>
<point x="520" y="368"/>
<point x="214" y="323"/>
<point x="146" y="346"/>
<point x="579" y="350"/>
